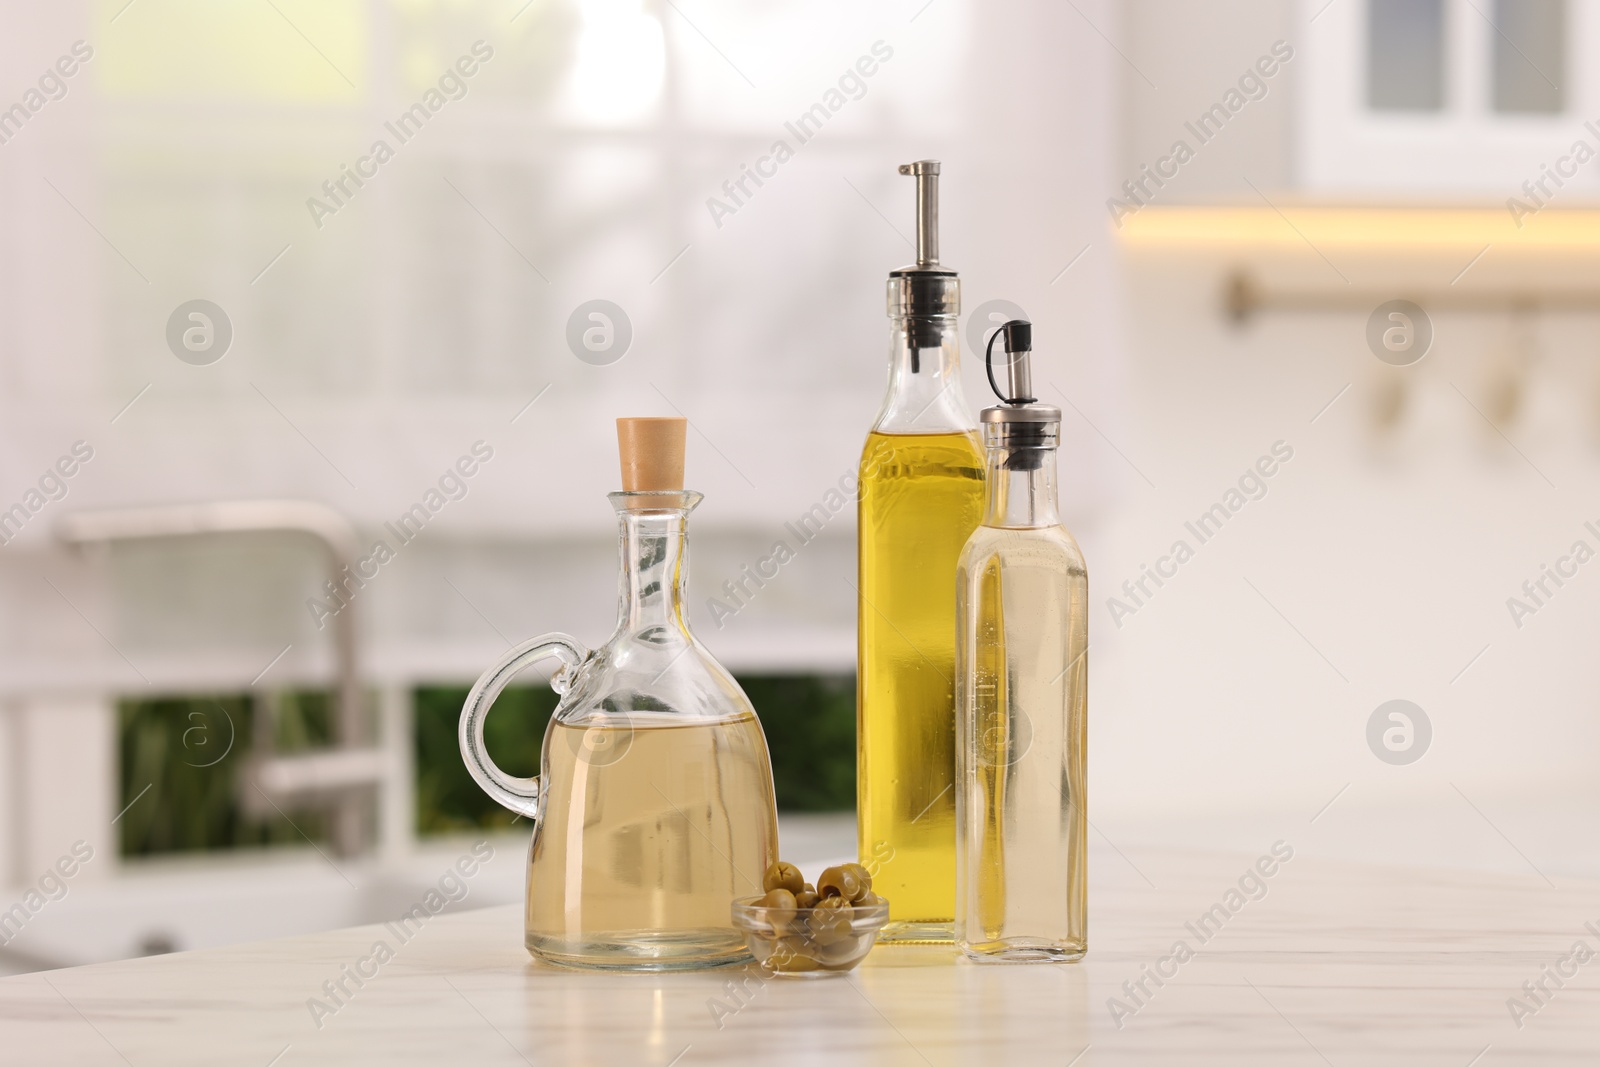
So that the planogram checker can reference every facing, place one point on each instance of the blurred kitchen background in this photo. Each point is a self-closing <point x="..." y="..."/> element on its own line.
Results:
<point x="170" y="696"/>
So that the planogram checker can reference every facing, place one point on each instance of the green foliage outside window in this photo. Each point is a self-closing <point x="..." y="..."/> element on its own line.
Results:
<point x="190" y="752"/>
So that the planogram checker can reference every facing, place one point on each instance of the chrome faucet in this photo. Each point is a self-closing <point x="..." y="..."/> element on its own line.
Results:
<point x="340" y="779"/>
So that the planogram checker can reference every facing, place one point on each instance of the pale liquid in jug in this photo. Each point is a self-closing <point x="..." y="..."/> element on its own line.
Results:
<point x="648" y="835"/>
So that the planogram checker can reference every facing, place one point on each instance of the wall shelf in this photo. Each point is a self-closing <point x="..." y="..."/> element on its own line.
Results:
<point x="1290" y="225"/>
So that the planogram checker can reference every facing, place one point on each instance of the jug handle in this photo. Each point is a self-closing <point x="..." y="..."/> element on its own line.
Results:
<point x="521" y="795"/>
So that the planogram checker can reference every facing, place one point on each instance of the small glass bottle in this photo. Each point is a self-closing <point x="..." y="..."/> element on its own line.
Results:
<point x="921" y="495"/>
<point x="1021" y="682"/>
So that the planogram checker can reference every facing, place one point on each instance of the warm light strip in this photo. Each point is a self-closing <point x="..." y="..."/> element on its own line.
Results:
<point x="1398" y="228"/>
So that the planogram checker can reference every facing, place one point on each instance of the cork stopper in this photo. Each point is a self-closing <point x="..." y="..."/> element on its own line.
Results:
<point x="652" y="456"/>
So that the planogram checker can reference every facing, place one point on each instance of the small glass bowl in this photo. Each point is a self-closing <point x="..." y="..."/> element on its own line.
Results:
<point x="809" y="942"/>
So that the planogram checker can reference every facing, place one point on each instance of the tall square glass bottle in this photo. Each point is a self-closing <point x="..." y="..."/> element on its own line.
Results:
<point x="921" y="495"/>
<point x="1022" y="681"/>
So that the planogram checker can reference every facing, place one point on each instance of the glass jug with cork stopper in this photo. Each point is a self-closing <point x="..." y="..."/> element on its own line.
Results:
<point x="654" y="809"/>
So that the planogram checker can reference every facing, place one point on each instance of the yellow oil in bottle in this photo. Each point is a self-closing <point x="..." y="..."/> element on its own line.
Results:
<point x="647" y="835"/>
<point x="921" y="497"/>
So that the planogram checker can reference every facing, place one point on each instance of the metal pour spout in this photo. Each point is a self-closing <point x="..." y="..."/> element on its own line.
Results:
<point x="925" y="294"/>
<point x="1022" y="426"/>
<point x="1018" y="343"/>
<point x="926" y="172"/>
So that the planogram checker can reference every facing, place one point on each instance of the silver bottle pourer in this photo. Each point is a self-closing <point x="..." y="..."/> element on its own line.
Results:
<point x="927" y="175"/>
<point x="926" y="294"/>
<point x="1027" y="428"/>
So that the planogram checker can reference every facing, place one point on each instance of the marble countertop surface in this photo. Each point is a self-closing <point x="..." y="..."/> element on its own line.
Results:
<point x="1319" y="962"/>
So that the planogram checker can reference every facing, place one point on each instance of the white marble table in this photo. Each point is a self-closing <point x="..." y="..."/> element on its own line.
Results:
<point x="1337" y="964"/>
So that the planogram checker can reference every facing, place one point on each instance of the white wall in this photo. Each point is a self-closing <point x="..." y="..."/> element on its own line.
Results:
<point x="1181" y="59"/>
<point x="1390" y="545"/>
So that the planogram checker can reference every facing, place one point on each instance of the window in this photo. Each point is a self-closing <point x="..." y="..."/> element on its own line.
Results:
<point x="1529" y="55"/>
<point x="1444" y="96"/>
<point x="1405" y="55"/>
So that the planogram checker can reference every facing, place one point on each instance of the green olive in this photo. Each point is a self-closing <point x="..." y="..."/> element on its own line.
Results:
<point x="792" y="953"/>
<point x="841" y="882"/>
<point x="761" y="948"/>
<point x="829" y="921"/>
<point x="783" y="875"/>
<point x="861" y="873"/>
<point x="806" y="898"/>
<point x="779" y="905"/>
<point x="842" y="954"/>
<point x="791" y="962"/>
<point x="797" y="943"/>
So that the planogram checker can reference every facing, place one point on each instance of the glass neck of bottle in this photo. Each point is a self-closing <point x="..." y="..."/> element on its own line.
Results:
<point x="1022" y="488"/>
<point x="925" y="393"/>
<point x="653" y="582"/>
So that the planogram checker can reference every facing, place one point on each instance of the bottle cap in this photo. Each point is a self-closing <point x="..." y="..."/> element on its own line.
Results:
<point x="651" y="450"/>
